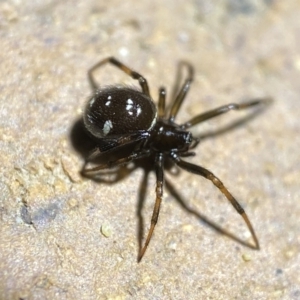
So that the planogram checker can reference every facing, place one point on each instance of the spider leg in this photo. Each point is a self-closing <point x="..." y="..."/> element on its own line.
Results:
<point x="162" y="102"/>
<point x="221" y="110"/>
<point x="183" y="91"/>
<point x="118" y="162"/>
<point x="217" y="182"/>
<point x="142" y="196"/>
<point x="109" y="144"/>
<point x="142" y="81"/>
<point x="159" y="193"/>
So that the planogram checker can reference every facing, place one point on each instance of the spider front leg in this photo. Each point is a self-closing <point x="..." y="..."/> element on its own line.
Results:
<point x="221" y="110"/>
<point x="218" y="183"/>
<point x="142" y="81"/>
<point x="159" y="193"/>
<point x="111" y="164"/>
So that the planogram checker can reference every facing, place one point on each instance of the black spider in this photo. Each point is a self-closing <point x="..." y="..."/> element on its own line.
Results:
<point x="126" y="126"/>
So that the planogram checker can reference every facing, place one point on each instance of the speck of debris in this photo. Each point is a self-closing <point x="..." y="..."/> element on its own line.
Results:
<point x="289" y="253"/>
<point x="172" y="245"/>
<point x="72" y="203"/>
<point x="69" y="169"/>
<point x="188" y="228"/>
<point x="106" y="230"/>
<point x="246" y="257"/>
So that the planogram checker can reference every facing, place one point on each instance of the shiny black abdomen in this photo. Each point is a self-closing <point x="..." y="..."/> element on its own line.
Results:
<point x="116" y="111"/>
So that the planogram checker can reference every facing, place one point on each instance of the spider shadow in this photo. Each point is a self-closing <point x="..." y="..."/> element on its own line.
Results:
<point x="84" y="145"/>
<point x="203" y="218"/>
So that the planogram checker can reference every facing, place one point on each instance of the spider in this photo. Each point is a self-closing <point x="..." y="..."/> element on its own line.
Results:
<point x="126" y="126"/>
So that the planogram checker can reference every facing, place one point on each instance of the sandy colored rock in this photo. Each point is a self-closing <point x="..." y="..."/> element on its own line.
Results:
<point x="66" y="237"/>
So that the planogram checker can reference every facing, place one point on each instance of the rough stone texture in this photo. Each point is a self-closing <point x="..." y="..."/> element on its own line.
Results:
<point x="64" y="237"/>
